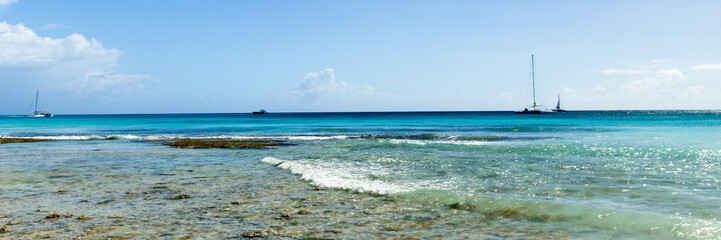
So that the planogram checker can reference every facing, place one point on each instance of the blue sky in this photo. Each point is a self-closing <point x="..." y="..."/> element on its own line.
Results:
<point x="290" y="56"/>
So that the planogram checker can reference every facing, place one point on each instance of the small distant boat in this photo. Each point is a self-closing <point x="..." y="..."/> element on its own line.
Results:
<point x="262" y="111"/>
<point x="558" y="105"/>
<point x="37" y="113"/>
<point x="535" y="108"/>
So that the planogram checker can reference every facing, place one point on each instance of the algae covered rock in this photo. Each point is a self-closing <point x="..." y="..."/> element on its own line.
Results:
<point x="182" y="196"/>
<point x="215" y="143"/>
<point x="459" y="206"/>
<point x="258" y="234"/>
<point x="20" y="140"/>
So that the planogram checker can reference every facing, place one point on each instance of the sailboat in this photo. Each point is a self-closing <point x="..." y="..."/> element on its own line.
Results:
<point x="535" y="108"/>
<point x="37" y="113"/>
<point x="558" y="105"/>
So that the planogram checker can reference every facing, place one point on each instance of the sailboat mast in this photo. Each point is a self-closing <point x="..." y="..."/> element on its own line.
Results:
<point x="533" y="78"/>
<point x="36" y="101"/>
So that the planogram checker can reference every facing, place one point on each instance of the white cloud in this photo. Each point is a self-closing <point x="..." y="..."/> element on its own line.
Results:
<point x="658" y="85"/>
<point x="7" y="2"/>
<point x="74" y="63"/>
<point x="671" y="76"/>
<point x="694" y="92"/>
<point x="323" y="85"/>
<point x="568" y="92"/>
<point x="506" y="96"/>
<point x="599" y="90"/>
<point x="109" y="82"/>
<point x="656" y="61"/>
<point x="653" y="78"/>
<point x="624" y="71"/>
<point x="20" y="46"/>
<point x="716" y="66"/>
<point x="641" y="85"/>
<point x="52" y="26"/>
<point x="657" y="78"/>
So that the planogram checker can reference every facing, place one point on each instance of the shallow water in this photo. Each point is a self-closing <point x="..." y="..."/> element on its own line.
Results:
<point x="489" y="175"/>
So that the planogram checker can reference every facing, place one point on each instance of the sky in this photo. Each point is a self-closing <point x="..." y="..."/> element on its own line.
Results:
<point x="162" y="56"/>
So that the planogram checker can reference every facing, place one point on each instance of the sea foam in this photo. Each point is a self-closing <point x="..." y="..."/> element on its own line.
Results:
<point x="335" y="176"/>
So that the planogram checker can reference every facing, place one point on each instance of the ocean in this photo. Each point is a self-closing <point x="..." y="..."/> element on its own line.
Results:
<point x="389" y="175"/>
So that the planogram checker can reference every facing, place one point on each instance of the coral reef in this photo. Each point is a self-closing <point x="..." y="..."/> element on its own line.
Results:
<point x="215" y="143"/>
<point x="20" y="140"/>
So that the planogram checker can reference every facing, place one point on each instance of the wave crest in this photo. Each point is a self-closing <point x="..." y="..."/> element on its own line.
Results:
<point x="334" y="176"/>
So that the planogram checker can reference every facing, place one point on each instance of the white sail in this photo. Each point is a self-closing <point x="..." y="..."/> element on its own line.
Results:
<point x="558" y="105"/>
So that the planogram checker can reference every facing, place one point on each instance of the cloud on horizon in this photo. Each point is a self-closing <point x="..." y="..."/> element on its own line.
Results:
<point x="648" y="86"/>
<point x="322" y="85"/>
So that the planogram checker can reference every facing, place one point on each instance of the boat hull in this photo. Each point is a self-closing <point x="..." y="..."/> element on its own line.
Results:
<point x="532" y="112"/>
<point x="39" y="115"/>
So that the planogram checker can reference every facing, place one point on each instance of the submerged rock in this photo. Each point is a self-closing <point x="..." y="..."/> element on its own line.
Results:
<point x="459" y="206"/>
<point x="53" y="216"/>
<point x="182" y="196"/>
<point x="213" y="143"/>
<point x="258" y="234"/>
<point x="392" y="228"/>
<point x="21" y="140"/>
<point x="4" y="229"/>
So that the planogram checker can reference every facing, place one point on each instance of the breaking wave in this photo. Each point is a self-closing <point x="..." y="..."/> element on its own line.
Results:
<point x="334" y="176"/>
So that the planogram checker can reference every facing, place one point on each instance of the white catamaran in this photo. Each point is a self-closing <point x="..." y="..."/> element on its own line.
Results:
<point x="37" y="113"/>
<point x="535" y="108"/>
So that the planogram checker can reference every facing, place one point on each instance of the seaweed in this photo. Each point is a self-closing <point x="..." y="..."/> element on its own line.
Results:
<point x="257" y="234"/>
<point x="21" y="140"/>
<point x="182" y="196"/>
<point x="392" y="228"/>
<point x="459" y="206"/>
<point x="215" y="143"/>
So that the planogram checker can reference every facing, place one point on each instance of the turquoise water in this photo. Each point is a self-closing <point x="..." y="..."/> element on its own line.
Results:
<point x="575" y="175"/>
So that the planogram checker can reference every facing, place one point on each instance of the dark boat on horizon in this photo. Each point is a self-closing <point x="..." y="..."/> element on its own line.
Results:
<point x="262" y="111"/>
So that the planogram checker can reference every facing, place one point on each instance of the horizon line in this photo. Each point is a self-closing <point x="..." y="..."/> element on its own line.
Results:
<point x="401" y="111"/>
